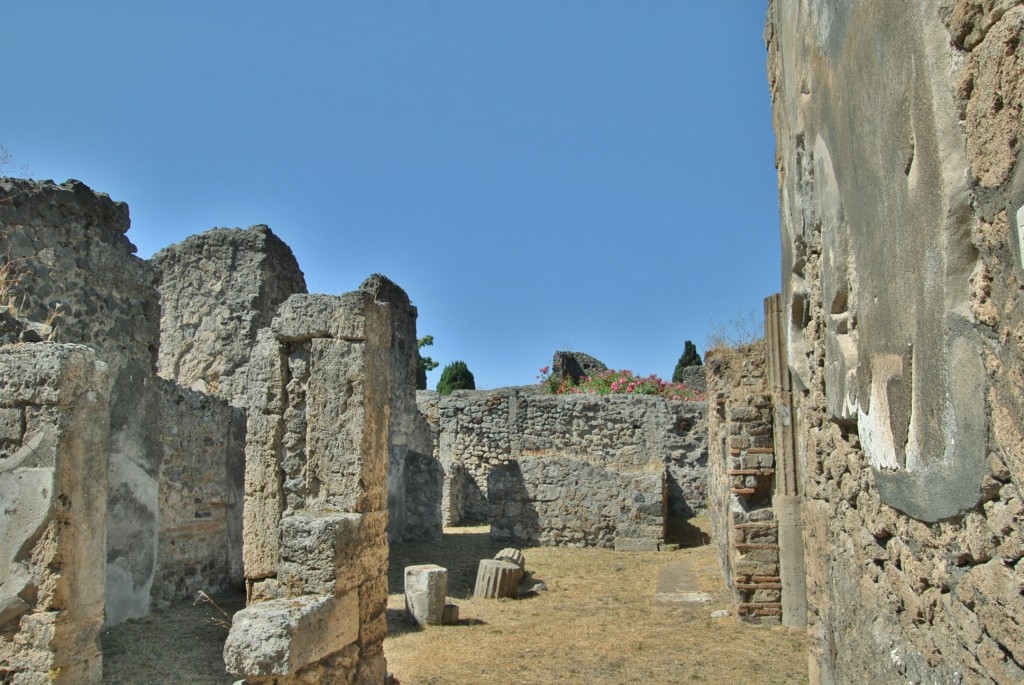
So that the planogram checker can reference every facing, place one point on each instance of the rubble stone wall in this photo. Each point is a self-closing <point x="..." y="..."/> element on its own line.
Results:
<point x="622" y="446"/>
<point x="741" y="468"/>
<point x="71" y="258"/>
<point x="54" y="445"/>
<point x="217" y="289"/>
<point x="899" y="135"/>
<point x="202" y="476"/>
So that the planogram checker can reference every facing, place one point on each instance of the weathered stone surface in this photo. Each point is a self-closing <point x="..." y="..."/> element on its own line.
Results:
<point x="217" y="289"/>
<point x="280" y="637"/>
<point x="73" y="260"/>
<point x="575" y="365"/>
<point x="632" y="437"/>
<point x="497" y="579"/>
<point x="900" y="201"/>
<point x="415" y="476"/>
<point x="426" y="587"/>
<point x="53" y="494"/>
<point x="512" y="555"/>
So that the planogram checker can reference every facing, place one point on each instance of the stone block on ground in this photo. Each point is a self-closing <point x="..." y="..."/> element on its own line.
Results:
<point x="426" y="587"/>
<point x="450" y="617"/>
<point x="497" y="579"/>
<point x="512" y="555"/>
<point x="282" y="636"/>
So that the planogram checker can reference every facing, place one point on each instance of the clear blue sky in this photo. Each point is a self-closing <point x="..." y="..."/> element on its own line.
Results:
<point x="538" y="175"/>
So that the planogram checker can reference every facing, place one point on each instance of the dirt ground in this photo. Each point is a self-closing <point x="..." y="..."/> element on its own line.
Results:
<point x="598" y="622"/>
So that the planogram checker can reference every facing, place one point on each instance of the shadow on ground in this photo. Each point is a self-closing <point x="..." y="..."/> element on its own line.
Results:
<point x="459" y="550"/>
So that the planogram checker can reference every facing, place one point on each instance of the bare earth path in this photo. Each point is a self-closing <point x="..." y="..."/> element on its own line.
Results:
<point x="599" y="622"/>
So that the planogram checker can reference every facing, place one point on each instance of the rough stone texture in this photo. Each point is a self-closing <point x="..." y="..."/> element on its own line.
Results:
<point x="565" y="501"/>
<point x="414" y="474"/>
<point x="426" y="587"/>
<point x="741" y="470"/>
<point x="575" y="365"/>
<point x="899" y="134"/>
<point x="217" y="289"/>
<point x="69" y="250"/>
<point x="53" y="494"/>
<point x="202" y="478"/>
<point x="315" y="517"/>
<point x="496" y="579"/>
<point x="621" y="447"/>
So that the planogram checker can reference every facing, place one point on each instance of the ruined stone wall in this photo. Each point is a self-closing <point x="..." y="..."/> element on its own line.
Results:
<point x="217" y="289"/>
<point x="414" y="474"/>
<point x="315" y="519"/>
<point x="899" y="135"/>
<point x="741" y="470"/>
<point x="619" y="445"/>
<point x="68" y="248"/>
<point x="54" y="443"/>
<point x="201" y="478"/>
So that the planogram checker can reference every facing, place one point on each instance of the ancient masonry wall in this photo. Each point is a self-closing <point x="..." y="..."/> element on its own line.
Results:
<point x="741" y="470"/>
<point x="315" y="517"/>
<point x="201" y="478"/>
<point x="414" y="474"/>
<point x="217" y="289"/>
<point x="68" y="250"/>
<point x="899" y="134"/>
<point x="568" y="469"/>
<point x="54" y="442"/>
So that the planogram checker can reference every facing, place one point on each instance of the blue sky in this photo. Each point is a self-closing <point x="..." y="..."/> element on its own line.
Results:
<point x="538" y="175"/>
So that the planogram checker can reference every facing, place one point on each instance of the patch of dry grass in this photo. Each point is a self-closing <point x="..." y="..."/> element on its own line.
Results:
<point x="597" y="623"/>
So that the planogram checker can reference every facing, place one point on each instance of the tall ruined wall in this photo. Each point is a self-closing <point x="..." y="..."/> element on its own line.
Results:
<point x="741" y="478"/>
<point x="217" y="289"/>
<point x="899" y="134"/>
<point x="414" y="474"/>
<point x="54" y="433"/>
<point x="612" y="440"/>
<point x="315" y="544"/>
<point x="67" y="246"/>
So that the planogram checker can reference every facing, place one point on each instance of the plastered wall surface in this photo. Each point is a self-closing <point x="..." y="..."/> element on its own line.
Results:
<point x="899" y="132"/>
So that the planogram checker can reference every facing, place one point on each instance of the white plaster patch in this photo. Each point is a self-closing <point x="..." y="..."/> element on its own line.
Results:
<point x="1020" y="236"/>
<point x="875" y="429"/>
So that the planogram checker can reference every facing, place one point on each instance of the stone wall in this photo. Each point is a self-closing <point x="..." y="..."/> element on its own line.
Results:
<point x="414" y="474"/>
<point x="899" y="135"/>
<point x="202" y="477"/>
<point x="647" y="446"/>
<point x="68" y="248"/>
<point x="54" y="444"/>
<point x="217" y="289"/>
<point x="741" y="470"/>
<point x="315" y="518"/>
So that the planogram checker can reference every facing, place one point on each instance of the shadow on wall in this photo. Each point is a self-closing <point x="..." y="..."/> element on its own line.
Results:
<point x="513" y="514"/>
<point x="465" y="503"/>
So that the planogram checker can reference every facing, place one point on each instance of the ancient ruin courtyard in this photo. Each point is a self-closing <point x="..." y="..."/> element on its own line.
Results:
<point x="600" y="621"/>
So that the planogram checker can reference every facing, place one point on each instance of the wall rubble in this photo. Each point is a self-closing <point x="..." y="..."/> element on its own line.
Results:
<point x="900" y="195"/>
<point x="54" y="443"/>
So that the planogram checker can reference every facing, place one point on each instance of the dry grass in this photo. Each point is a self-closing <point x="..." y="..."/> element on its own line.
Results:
<point x="597" y="623"/>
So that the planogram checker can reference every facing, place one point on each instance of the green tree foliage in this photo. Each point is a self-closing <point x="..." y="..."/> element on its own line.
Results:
<point x="423" y="364"/>
<point x="689" y="358"/>
<point x="456" y="376"/>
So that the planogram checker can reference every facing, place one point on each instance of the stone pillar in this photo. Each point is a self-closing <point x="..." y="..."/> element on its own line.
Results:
<point x="315" y="518"/>
<point x="54" y="435"/>
<point x="787" y="498"/>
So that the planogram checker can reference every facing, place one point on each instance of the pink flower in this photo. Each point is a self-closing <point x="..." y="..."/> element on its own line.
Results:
<point x="544" y="369"/>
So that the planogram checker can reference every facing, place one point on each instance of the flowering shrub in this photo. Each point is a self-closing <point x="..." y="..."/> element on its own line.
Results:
<point x="613" y="382"/>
